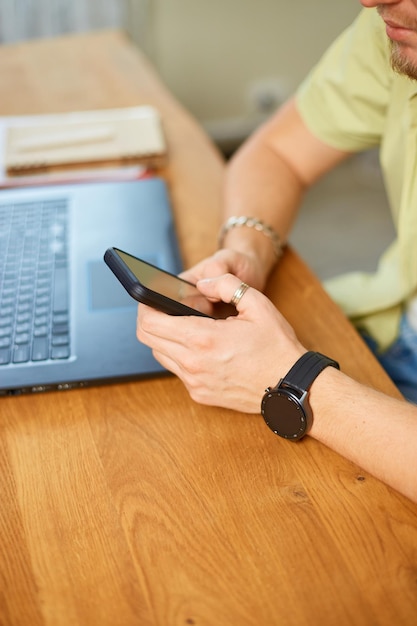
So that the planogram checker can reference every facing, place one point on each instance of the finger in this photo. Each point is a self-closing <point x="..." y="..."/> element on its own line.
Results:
<point x="226" y="287"/>
<point x="161" y="331"/>
<point x="197" y="389"/>
<point x="205" y="269"/>
<point x="149" y="324"/>
<point x="221" y="262"/>
<point x="167" y="362"/>
<point x="166" y="351"/>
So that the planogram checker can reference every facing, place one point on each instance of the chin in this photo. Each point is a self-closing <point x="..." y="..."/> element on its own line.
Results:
<point x="402" y="62"/>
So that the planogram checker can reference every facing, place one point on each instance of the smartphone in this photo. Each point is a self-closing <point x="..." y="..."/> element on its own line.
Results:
<point x="153" y="286"/>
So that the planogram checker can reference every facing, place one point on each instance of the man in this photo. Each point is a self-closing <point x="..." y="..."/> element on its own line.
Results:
<point x="363" y="93"/>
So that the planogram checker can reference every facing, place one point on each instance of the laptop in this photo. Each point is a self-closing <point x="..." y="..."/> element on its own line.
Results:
<point x="65" y="320"/>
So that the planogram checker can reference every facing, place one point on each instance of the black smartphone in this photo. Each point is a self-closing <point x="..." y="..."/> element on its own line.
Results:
<point x="153" y="286"/>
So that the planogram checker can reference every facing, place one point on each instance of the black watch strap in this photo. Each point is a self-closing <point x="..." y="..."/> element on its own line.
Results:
<point x="306" y="369"/>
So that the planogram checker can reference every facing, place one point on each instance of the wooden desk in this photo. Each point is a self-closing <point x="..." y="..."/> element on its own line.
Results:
<point x="130" y="504"/>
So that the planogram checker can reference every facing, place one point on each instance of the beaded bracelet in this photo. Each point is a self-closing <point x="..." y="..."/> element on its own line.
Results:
<point x="252" y="222"/>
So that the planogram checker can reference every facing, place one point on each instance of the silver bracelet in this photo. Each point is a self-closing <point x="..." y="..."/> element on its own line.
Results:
<point x="252" y="222"/>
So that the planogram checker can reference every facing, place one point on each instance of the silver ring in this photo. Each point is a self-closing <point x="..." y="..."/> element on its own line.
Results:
<point x="239" y="293"/>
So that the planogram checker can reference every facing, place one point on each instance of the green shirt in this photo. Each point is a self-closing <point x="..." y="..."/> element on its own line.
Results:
<point x="353" y="100"/>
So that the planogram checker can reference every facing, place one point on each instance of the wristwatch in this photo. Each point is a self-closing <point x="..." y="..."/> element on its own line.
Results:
<point x="285" y="408"/>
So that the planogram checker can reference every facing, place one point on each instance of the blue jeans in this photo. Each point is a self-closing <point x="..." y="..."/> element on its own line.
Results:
<point x="400" y="360"/>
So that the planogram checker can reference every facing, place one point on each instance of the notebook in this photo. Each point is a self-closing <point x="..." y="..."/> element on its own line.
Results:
<point x="109" y="136"/>
<point x="65" y="320"/>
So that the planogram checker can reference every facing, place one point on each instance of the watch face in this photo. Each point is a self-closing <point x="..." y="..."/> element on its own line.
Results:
<point x="284" y="414"/>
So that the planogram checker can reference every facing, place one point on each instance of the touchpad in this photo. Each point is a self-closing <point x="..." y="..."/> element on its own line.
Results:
<point x="105" y="290"/>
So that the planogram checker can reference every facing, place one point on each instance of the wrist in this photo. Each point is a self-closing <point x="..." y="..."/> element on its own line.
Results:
<point x="254" y="238"/>
<point x="324" y="395"/>
<point x="286" y="407"/>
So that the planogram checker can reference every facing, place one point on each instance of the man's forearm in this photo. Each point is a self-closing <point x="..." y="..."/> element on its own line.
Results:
<point x="260" y="184"/>
<point x="375" y="431"/>
<point x="268" y="176"/>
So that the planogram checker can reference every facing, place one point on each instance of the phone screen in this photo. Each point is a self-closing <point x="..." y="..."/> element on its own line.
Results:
<point x="159" y="281"/>
<point x="162" y="290"/>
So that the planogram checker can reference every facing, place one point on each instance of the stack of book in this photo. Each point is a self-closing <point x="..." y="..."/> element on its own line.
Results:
<point x="87" y="145"/>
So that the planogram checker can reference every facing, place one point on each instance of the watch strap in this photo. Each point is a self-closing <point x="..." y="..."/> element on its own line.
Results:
<point x="306" y="369"/>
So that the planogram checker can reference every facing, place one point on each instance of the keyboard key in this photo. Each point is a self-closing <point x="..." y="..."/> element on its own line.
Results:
<point x="6" y="321"/>
<point x="41" y="310"/>
<point x="42" y="301"/>
<point x="41" y="320"/>
<point x="60" y="352"/>
<point x="23" y="317"/>
<point x="42" y="292"/>
<point x="24" y="327"/>
<point x="40" y="349"/>
<point x="22" y="338"/>
<point x="21" y="354"/>
<point x="60" y="318"/>
<point x="25" y="307"/>
<point x="7" y="310"/>
<point x="5" y="356"/>
<point x="25" y="300"/>
<point x="60" y="329"/>
<point x="40" y="331"/>
<point x="60" y="302"/>
<point x="8" y="293"/>
<point x="60" y="340"/>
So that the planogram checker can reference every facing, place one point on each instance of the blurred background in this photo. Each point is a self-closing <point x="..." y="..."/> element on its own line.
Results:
<point x="231" y="63"/>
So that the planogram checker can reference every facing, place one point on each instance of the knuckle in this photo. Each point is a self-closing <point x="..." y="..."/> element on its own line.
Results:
<point x="146" y="326"/>
<point x="192" y="365"/>
<point x="199" y="395"/>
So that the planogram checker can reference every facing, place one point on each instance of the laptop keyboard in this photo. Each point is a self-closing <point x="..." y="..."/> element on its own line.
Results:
<point x="34" y="300"/>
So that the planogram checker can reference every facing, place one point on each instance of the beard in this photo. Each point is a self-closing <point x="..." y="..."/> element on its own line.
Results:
<point x="400" y="63"/>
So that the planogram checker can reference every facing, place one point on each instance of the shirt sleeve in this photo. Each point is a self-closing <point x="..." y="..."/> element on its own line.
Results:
<point x="344" y="99"/>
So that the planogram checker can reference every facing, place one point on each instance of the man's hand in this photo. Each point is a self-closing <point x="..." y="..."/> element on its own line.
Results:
<point x="229" y="362"/>
<point x="245" y="266"/>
